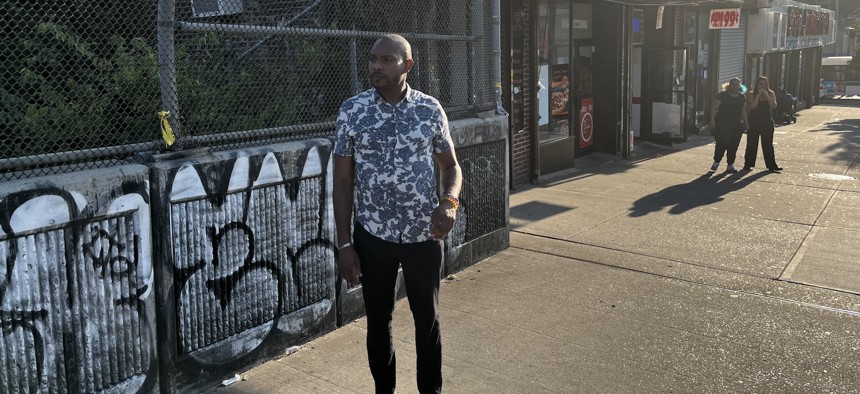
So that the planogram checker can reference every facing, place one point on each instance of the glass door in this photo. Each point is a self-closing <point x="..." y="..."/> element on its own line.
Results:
<point x="556" y="86"/>
<point x="584" y="97"/>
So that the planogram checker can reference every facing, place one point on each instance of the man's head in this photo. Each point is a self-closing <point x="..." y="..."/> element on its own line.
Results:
<point x="389" y="61"/>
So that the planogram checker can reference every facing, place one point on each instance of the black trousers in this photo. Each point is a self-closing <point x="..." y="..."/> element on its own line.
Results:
<point x="422" y="271"/>
<point x="766" y="134"/>
<point x="728" y="138"/>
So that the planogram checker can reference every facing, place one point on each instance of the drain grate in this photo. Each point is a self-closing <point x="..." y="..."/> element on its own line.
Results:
<point x="832" y="177"/>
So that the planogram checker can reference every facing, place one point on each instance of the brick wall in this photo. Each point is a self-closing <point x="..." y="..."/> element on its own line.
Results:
<point x="522" y="141"/>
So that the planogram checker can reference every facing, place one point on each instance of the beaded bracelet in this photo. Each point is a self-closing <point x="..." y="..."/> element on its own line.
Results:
<point x="454" y="200"/>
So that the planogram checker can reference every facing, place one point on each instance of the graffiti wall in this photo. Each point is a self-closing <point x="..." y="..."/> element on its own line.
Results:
<point x="173" y="276"/>
<point x="76" y="284"/>
<point x="481" y="229"/>
<point x="249" y="252"/>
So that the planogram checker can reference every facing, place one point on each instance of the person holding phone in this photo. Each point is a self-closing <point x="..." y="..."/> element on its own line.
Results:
<point x="761" y="102"/>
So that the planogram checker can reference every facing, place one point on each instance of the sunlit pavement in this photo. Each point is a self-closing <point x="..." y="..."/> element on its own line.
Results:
<point x="651" y="274"/>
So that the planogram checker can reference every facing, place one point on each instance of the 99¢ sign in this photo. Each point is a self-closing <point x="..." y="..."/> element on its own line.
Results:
<point x="725" y="19"/>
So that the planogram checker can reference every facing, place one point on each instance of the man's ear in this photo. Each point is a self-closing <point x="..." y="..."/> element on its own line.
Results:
<point x="409" y="63"/>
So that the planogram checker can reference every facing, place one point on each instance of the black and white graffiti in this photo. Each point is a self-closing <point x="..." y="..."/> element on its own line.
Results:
<point x="75" y="286"/>
<point x="250" y="246"/>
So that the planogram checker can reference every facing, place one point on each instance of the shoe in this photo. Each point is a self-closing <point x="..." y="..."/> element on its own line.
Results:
<point x="731" y="169"/>
<point x="715" y="166"/>
<point x="775" y="169"/>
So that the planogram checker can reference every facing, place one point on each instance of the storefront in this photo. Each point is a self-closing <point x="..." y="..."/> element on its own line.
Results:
<point x="564" y="92"/>
<point x="565" y="96"/>
<point x="784" y="43"/>
<point x="587" y="76"/>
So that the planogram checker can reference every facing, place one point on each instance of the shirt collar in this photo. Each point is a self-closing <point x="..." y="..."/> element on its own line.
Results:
<point x="377" y="98"/>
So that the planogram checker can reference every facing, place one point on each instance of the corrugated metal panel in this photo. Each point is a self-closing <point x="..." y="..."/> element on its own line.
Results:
<point x="732" y="49"/>
<point x="260" y="257"/>
<point x="72" y="316"/>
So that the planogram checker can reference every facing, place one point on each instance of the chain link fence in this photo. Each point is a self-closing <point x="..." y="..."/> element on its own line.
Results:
<point x="83" y="81"/>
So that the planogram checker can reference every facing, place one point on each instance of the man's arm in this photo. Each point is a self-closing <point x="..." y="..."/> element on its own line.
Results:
<point x="348" y="263"/>
<point x="452" y="181"/>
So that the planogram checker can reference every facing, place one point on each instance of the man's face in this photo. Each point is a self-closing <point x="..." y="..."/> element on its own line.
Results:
<point x="386" y="65"/>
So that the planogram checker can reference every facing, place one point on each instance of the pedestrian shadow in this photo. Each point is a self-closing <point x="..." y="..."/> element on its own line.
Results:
<point x="707" y="189"/>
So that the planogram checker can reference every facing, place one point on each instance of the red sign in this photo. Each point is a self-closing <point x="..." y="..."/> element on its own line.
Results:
<point x="725" y="19"/>
<point x="586" y="123"/>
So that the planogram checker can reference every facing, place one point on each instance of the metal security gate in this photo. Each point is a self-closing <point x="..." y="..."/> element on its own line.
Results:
<point x="732" y="48"/>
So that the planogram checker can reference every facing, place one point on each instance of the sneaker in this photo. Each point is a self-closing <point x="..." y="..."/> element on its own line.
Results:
<point x="731" y="169"/>
<point x="715" y="166"/>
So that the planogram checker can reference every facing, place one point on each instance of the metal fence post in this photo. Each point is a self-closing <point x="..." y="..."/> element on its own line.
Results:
<point x="497" y="55"/>
<point x="354" y="85"/>
<point x="167" y="64"/>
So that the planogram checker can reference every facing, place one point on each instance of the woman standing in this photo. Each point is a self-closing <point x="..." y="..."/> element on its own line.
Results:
<point x="762" y="102"/>
<point x="728" y="122"/>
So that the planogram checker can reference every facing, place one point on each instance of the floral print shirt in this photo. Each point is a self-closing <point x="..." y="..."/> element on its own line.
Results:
<point x="392" y="147"/>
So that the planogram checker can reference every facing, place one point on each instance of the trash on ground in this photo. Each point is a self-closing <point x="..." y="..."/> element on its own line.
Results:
<point x="234" y="379"/>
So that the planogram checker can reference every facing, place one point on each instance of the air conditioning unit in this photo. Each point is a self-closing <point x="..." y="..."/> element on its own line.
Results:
<point x="204" y="8"/>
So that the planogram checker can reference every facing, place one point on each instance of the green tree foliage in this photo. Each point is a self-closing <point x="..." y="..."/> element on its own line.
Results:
<point x="87" y="77"/>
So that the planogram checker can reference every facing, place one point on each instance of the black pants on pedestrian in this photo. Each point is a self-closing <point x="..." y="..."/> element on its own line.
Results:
<point x="728" y="138"/>
<point x="766" y="134"/>
<point x="422" y="271"/>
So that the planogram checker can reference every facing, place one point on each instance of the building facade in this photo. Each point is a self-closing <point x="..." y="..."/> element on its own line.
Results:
<point x="598" y="76"/>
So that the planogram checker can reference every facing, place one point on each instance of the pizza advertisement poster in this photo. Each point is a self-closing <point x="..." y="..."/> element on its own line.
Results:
<point x="560" y="90"/>
<point x="586" y="123"/>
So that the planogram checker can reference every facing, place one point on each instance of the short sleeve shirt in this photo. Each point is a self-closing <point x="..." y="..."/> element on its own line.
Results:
<point x="730" y="107"/>
<point x="393" y="148"/>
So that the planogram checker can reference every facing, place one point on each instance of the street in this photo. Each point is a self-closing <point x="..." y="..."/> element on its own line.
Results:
<point x="650" y="274"/>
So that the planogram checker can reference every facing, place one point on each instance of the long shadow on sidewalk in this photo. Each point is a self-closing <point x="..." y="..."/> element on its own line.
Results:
<point x="704" y="190"/>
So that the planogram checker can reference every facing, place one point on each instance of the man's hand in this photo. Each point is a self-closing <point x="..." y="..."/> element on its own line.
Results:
<point x="442" y="219"/>
<point x="349" y="265"/>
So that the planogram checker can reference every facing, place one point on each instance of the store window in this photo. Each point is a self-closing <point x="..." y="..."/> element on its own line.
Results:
<point x="774" y="26"/>
<point x="554" y="32"/>
<point x="637" y="36"/>
<point x="564" y="51"/>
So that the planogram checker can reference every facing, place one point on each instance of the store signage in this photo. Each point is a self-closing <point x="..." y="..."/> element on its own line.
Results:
<point x="725" y="19"/>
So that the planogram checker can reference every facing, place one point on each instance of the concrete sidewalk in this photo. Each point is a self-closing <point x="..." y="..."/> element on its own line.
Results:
<point x="648" y="275"/>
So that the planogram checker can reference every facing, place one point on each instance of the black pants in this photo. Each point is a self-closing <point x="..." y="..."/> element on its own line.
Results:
<point x="422" y="270"/>
<point x="766" y="134"/>
<point x="728" y="138"/>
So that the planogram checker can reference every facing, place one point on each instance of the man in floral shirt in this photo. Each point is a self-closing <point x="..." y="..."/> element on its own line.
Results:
<point x="388" y="138"/>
